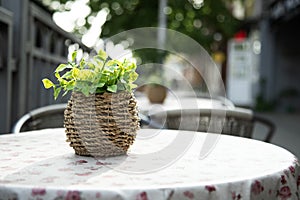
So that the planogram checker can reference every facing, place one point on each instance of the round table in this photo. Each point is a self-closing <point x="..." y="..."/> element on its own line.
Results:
<point x="161" y="164"/>
<point x="182" y="102"/>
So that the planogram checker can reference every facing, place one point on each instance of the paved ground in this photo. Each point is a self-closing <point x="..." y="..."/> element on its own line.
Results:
<point x="287" y="134"/>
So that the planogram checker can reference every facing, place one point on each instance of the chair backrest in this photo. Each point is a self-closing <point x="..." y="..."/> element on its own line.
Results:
<point x="237" y="121"/>
<point x="51" y="116"/>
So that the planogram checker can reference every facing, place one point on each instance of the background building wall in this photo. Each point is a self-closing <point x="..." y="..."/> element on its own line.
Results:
<point x="33" y="47"/>
<point x="280" y="57"/>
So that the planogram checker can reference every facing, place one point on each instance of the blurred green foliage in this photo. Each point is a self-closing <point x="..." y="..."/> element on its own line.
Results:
<point x="209" y="22"/>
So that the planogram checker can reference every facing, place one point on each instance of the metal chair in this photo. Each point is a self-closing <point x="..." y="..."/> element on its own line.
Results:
<point x="52" y="116"/>
<point x="237" y="121"/>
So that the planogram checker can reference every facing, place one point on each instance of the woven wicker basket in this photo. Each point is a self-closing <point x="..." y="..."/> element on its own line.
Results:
<point x="101" y="125"/>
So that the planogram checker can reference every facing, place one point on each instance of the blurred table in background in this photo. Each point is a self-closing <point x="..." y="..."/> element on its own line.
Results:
<point x="175" y="102"/>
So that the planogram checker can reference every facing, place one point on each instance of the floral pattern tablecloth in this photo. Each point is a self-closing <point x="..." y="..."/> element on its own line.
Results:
<point x="41" y="165"/>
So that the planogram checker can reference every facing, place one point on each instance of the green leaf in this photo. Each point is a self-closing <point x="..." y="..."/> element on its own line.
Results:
<point x="47" y="83"/>
<point x="82" y="64"/>
<point x="101" y="84"/>
<point x="92" y="89"/>
<point x="65" y="93"/>
<point x="113" y="63"/>
<point x="61" y="67"/>
<point x="121" y="86"/>
<point x="122" y="80"/>
<point x="91" y="65"/>
<point x="75" y="73"/>
<point x="60" y="80"/>
<point x="67" y="75"/>
<point x="112" y="88"/>
<point x="102" y="55"/>
<point x="85" y="91"/>
<point x="132" y="86"/>
<point x="70" y="85"/>
<point x="130" y="66"/>
<point x="109" y="69"/>
<point x="133" y="76"/>
<point x="80" y="85"/>
<point x="74" y="55"/>
<point x="57" y="75"/>
<point x="56" y="92"/>
<point x="103" y="78"/>
<point x="98" y="68"/>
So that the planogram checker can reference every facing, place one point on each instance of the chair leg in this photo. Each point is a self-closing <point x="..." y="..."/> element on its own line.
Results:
<point x="268" y="124"/>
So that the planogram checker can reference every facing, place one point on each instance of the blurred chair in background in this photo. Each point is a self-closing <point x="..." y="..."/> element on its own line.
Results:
<point x="51" y="116"/>
<point x="237" y="121"/>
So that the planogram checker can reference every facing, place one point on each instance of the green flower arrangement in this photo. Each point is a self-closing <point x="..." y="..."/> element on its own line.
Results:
<point x="98" y="75"/>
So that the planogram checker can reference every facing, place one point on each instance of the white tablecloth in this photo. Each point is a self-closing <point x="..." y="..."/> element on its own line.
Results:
<point x="162" y="164"/>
